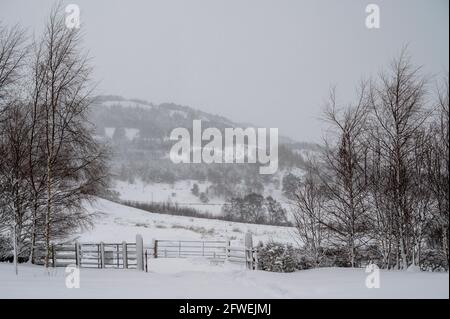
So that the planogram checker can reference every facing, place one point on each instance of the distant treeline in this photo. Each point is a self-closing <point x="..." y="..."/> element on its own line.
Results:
<point x="177" y="210"/>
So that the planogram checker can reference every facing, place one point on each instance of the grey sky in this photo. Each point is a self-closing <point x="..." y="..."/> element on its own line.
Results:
<point x="269" y="62"/>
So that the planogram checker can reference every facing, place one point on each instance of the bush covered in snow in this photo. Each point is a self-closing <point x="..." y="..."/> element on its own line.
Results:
<point x="433" y="260"/>
<point x="5" y="248"/>
<point x="304" y="261"/>
<point x="277" y="257"/>
<point x="280" y="257"/>
<point x="326" y="257"/>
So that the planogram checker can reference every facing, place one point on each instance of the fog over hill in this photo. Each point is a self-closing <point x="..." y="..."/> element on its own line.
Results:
<point x="157" y="120"/>
<point x="138" y="133"/>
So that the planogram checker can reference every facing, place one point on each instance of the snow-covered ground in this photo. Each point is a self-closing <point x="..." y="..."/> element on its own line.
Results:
<point x="198" y="278"/>
<point x="117" y="223"/>
<point x="202" y="278"/>
<point x="180" y="192"/>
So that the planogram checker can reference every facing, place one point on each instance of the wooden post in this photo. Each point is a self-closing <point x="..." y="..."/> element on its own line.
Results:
<point x="249" y="250"/>
<point x="255" y="258"/>
<point x="155" y="248"/>
<point x="124" y="255"/>
<point x="227" y="249"/>
<point x="179" y="249"/>
<point x="139" y="253"/>
<point x="203" y="248"/>
<point x="146" y="261"/>
<point x="77" y="254"/>
<point x="102" y="255"/>
<point x="53" y="256"/>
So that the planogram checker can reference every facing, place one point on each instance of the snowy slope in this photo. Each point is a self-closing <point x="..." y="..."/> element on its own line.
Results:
<point x="180" y="193"/>
<point x="117" y="223"/>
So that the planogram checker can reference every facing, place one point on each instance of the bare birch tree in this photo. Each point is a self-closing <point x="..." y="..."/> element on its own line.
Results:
<point x="310" y="216"/>
<point x="437" y="161"/>
<point x="397" y="101"/>
<point x="14" y="190"/>
<point x="13" y="52"/>
<point x="74" y="163"/>
<point x="345" y="176"/>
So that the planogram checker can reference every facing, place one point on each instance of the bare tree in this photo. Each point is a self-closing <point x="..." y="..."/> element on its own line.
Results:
<point x="14" y="190"/>
<point x="345" y="177"/>
<point x="36" y="156"/>
<point x="13" y="52"/>
<point x="437" y="161"/>
<point x="276" y="214"/>
<point x="421" y="198"/>
<point x="398" y="101"/>
<point x="381" y="218"/>
<point x="74" y="162"/>
<point x="309" y="215"/>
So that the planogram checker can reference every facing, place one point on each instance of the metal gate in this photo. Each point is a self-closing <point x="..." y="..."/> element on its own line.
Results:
<point x="90" y="255"/>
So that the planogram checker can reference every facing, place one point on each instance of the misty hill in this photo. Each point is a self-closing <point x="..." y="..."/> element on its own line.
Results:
<point x="138" y="132"/>
<point x="158" y="120"/>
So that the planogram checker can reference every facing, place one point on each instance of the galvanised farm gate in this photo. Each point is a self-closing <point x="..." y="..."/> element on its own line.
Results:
<point x="137" y="256"/>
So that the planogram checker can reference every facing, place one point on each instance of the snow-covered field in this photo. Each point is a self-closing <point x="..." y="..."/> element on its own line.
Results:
<point x="180" y="192"/>
<point x="117" y="223"/>
<point x="197" y="278"/>
<point x="201" y="278"/>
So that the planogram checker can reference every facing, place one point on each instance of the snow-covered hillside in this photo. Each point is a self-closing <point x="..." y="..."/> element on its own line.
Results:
<point x="180" y="193"/>
<point x="117" y="223"/>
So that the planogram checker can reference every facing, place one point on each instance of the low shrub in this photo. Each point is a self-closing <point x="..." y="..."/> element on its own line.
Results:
<point x="433" y="260"/>
<point x="277" y="257"/>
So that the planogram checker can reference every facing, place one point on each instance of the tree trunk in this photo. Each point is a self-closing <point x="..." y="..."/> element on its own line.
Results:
<point x="33" y="232"/>
<point x="16" y="269"/>
<point x="48" y="214"/>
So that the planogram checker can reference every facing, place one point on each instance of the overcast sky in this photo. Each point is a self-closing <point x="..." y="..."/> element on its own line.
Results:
<point x="268" y="62"/>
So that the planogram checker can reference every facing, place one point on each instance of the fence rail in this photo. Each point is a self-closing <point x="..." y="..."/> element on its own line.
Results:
<point x="216" y="250"/>
<point x="188" y="248"/>
<point x="90" y="255"/>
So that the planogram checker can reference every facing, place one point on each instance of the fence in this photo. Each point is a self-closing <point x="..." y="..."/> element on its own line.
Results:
<point x="188" y="248"/>
<point x="216" y="250"/>
<point x="90" y="255"/>
<point x="136" y="256"/>
<point x="244" y="255"/>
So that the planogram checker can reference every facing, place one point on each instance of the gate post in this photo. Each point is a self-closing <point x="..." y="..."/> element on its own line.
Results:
<point x="139" y="252"/>
<point x="155" y="248"/>
<point x="102" y="255"/>
<point x="53" y="256"/>
<point x="146" y="260"/>
<point x="77" y="254"/>
<point x="227" y="249"/>
<point x="255" y="258"/>
<point x="124" y="255"/>
<point x="249" y="250"/>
